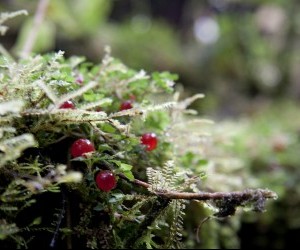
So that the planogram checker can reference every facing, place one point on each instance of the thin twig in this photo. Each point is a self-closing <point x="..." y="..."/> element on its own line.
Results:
<point x="199" y="227"/>
<point x="37" y="21"/>
<point x="135" y="181"/>
<point x="205" y="196"/>
<point x="60" y="219"/>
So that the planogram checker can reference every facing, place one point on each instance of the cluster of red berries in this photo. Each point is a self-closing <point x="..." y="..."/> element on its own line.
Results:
<point x="83" y="146"/>
<point x="105" y="179"/>
<point x="70" y="105"/>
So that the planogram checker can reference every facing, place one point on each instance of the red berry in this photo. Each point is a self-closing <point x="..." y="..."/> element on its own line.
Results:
<point x="67" y="105"/>
<point x="105" y="180"/>
<point x="126" y="105"/>
<point x="81" y="146"/>
<point x="149" y="140"/>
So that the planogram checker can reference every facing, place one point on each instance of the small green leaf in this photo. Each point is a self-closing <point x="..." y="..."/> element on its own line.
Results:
<point x="36" y="221"/>
<point x="116" y="197"/>
<point x="122" y="166"/>
<point x="129" y="175"/>
<point x="108" y="128"/>
<point x="118" y="163"/>
<point x="99" y="207"/>
<point x="125" y="167"/>
<point x="104" y="147"/>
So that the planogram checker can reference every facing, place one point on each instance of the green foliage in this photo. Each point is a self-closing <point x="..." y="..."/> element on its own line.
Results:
<point x="42" y="84"/>
<point x="36" y="166"/>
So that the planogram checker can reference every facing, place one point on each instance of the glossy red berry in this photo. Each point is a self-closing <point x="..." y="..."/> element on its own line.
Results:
<point x="81" y="146"/>
<point x="67" y="105"/>
<point x="126" y="105"/>
<point x="105" y="180"/>
<point x="149" y="140"/>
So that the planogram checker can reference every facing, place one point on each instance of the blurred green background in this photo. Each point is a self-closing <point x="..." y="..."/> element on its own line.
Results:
<point x="243" y="55"/>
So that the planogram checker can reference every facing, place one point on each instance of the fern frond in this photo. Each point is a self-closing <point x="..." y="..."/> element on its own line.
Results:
<point x="168" y="174"/>
<point x="54" y="61"/>
<point x="182" y="105"/>
<point x="93" y="105"/>
<point x="15" y="192"/>
<point x="156" y="180"/>
<point x="128" y="112"/>
<point x="23" y="72"/>
<point x="176" y="225"/>
<point x="166" y="179"/>
<point x="142" y="111"/>
<point x="46" y="119"/>
<point x="153" y="108"/>
<point x="123" y="128"/>
<point x="47" y="90"/>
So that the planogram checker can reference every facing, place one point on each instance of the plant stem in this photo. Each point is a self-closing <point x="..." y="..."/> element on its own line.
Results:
<point x="37" y="21"/>
<point x="205" y="196"/>
<point x="60" y="219"/>
<point x="244" y="195"/>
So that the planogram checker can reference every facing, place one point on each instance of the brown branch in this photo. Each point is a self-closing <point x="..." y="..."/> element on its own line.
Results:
<point x="135" y="181"/>
<point x="204" y="196"/>
<point x="248" y="194"/>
